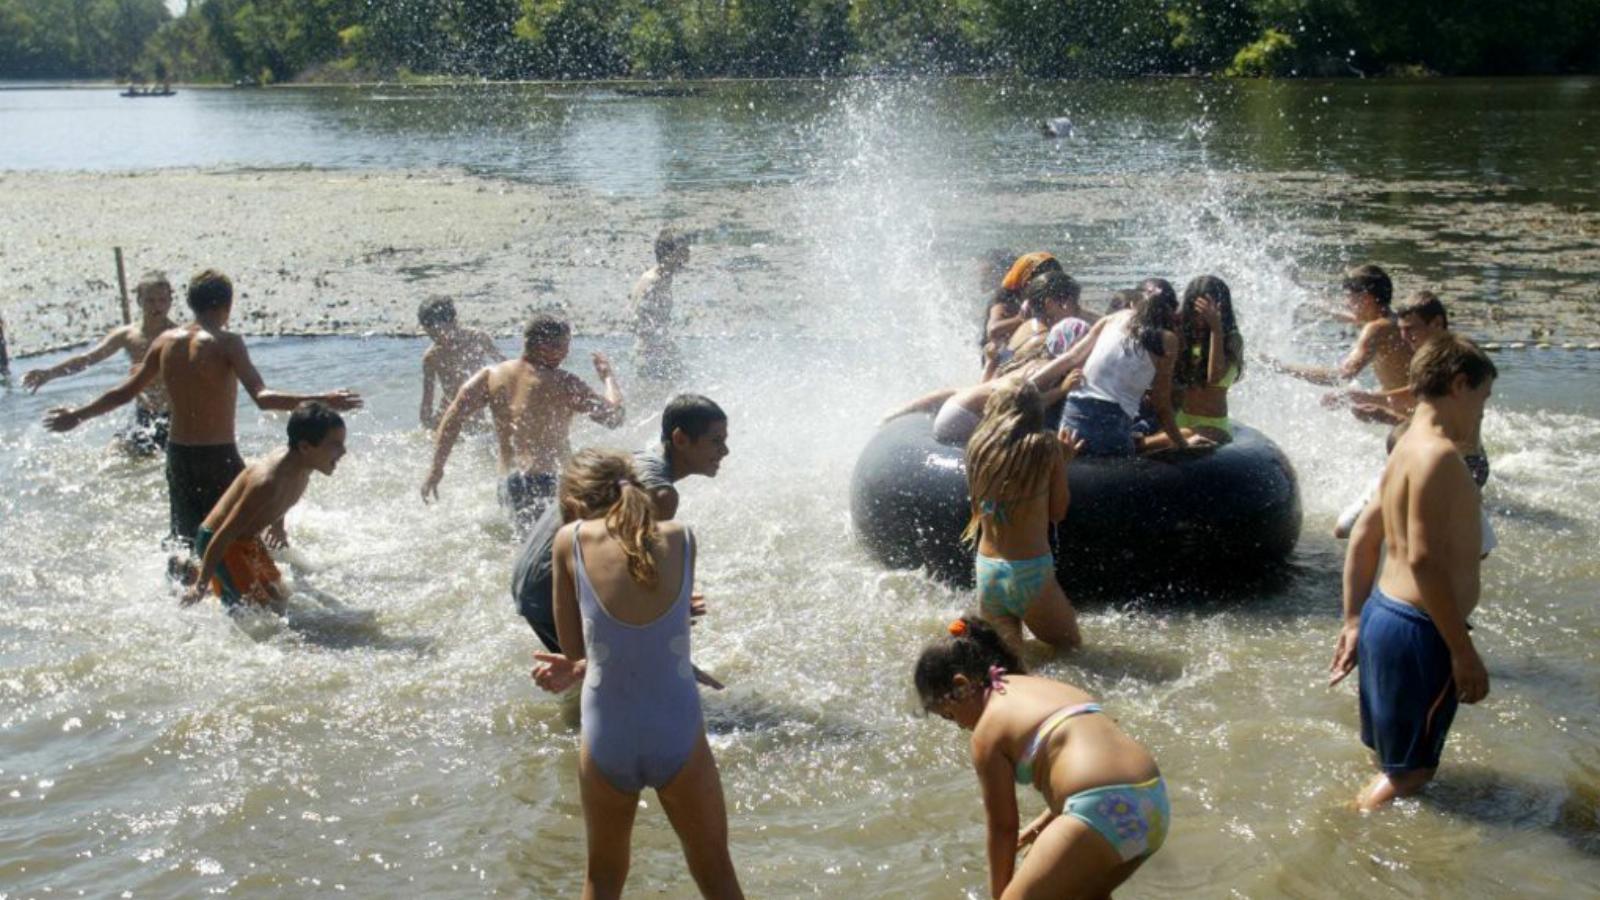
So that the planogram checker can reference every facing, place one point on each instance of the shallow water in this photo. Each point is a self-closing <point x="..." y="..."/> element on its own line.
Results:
<point x="167" y="753"/>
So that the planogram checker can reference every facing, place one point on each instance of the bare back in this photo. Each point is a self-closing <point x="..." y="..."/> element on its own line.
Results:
<point x="1021" y="529"/>
<point x="202" y="383"/>
<point x="533" y="408"/>
<point x="261" y="495"/>
<point x="1430" y="508"/>
<point x="1391" y="358"/>
<point x="624" y="599"/>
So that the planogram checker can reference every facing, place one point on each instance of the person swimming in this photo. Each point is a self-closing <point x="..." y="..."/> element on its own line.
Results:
<point x="1107" y="807"/>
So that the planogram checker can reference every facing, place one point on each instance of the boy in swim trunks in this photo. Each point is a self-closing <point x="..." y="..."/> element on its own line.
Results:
<point x="1368" y="293"/>
<point x="455" y="355"/>
<point x="532" y="400"/>
<point x="151" y="420"/>
<point x="233" y="560"/>
<point x="1407" y="628"/>
<point x="694" y="441"/>
<point x="201" y="366"/>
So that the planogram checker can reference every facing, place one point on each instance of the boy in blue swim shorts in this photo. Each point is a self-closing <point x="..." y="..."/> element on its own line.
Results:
<point x="1407" y="628"/>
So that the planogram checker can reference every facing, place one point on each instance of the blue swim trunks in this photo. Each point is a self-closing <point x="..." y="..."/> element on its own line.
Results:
<point x="1408" y="696"/>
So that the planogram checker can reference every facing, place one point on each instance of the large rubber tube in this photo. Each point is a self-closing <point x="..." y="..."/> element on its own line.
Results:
<point x="1227" y="513"/>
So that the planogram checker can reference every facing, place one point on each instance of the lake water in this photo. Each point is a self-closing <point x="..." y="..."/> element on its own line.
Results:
<point x="167" y="754"/>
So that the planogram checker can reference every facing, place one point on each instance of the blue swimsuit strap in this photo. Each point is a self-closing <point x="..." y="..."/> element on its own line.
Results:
<point x="1030" y="756"/>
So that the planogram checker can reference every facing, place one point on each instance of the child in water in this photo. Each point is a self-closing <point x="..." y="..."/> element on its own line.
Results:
<point x="622" y="585"/>
<point x="1017" y="482"/>
<point x="1108" y="809"/>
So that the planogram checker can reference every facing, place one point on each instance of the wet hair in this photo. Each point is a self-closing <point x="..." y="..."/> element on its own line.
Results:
<point x="209" y="290"/>
<point x="1426" y="306"/>
<point x="310" y="422"/>
<point x="1053" y="284"/>
<point x="544" y="329"/>
<point x="436" y="311"/>
<point x="1011" y="454"/>
<point x="668" y="243"/>
<point x="1127" y="298"/>
<point x="970" y="653"/>
<point x="1370" y="279"/>
<point x="1156" y="311"/>
<point x="155" y="278"/>
<point x="1444" y="356"/>
<point x="1192" y="370"/>
<point x="604" y="482"/>
<point x="692" y="414"/>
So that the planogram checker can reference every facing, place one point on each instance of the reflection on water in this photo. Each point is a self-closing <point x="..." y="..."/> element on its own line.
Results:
<point x="166" y="752"/>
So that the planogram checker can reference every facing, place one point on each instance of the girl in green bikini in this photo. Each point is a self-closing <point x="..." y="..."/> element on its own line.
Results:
<point x="1211" y="361"/>
<point x="1017" y="482"/>
<point x="1108" y="809"/>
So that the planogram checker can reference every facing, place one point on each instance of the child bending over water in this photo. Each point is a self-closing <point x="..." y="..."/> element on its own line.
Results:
<point x="1017" y="482"/>
<point x="1108" y="809"/>
<point x="622" y="598"/>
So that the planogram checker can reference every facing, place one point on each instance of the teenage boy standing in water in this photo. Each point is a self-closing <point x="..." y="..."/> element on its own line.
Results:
<point x="1407" y="629"/>
<point x="655" y="349"/>
<point x="694" y="441"/>
<point x="532" y="400"/>
<point x="232" y="556"/>
<point x="1368" y="293"/>
<point x="455" y="355"/>
<point x="201" y="365"/>
<point x="151" y="418"/>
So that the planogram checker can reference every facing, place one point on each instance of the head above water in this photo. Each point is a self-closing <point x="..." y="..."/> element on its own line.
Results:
<point x="1027" y="266"/>
<point x="545" y="340"/>
<point x="672" y="249"/>
<point x="1193" y="369"/>
<point x="1421" y="318"/>
<point x="603" y="483"/>
<point x="1448" y="365"/>
<point x="317" y="434"/>
<point x="955" y="668"/>
<point x="1368" y="284"/>
<point x="1155" y="312"/>
<point x="696" y="430"/>
<point x="154" y="293"/>
<point x="436" y="314"/>
<point x="210" y="292"/>
<point x="1053" y="287"/>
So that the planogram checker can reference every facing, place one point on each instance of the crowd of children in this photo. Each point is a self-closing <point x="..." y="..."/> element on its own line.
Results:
<point x="605" y="574"/>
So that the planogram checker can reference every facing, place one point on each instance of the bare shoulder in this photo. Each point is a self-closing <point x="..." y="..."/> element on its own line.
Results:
<point x="1169" y="343"/>
<point x="430" y="355"/>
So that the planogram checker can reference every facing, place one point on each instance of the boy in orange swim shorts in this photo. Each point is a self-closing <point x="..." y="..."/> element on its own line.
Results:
<point x="233" y="558"/>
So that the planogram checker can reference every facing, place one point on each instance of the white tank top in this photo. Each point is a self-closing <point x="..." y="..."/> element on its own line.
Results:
<point x="1118" y="370"/>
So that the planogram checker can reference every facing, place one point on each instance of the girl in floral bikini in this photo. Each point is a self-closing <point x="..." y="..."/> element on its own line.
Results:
<point x="1108" y="809"/>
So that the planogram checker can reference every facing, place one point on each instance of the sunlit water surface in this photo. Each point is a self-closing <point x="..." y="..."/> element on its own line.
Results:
<point x="167" y="752"/>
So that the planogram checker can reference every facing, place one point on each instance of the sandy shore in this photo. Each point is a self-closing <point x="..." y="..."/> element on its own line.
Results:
<point x="328" y="252"/>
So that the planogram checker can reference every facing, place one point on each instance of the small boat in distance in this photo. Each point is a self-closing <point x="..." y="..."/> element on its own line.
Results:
<point x="135" y="91"/>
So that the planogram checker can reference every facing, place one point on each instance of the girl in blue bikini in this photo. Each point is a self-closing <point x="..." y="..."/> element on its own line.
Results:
<point x="1108" y="809"/>
<point x="1017" y="482"/>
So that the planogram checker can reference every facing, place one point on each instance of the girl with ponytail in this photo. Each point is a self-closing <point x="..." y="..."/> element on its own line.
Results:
<point x="622" y="586"/>
<point x="1017" y="485"/>
<point x="1107" y="803"/>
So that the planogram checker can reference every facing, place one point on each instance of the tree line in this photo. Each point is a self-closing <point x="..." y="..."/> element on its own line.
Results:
<point x="283" y="40"/>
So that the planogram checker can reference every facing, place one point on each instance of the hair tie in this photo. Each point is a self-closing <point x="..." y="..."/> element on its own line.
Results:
<point x="997" y="679"/>
<point x="622" y="483"/>
<point x="958" y="628"/>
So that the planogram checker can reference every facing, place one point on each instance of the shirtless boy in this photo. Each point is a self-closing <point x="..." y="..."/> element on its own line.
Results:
<point x="1407" y="628"/>
<point x="1421" y="318"/>
<point x="655" y="350"/>
<point x="455" y="355"/>
<point x="1368" y="293"/>
<point x="532" y="401"/>
<point x="232" y="557"/>
<point x="201" y="366"/>
<point x="150" y="416"/>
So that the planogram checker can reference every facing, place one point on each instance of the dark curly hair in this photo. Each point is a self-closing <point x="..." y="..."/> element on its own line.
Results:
<point x="970" y="653"/>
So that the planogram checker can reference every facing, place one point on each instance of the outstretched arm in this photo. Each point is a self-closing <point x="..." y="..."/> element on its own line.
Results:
<point x="927" y="403"/>
<point x="473" y="396"/>
<point x="107" y="347"/>
<point x="1076" y="355"/>
<point x="63" y="419"/>
<point x="239" y="358"/>
<point x="607" y="410"/>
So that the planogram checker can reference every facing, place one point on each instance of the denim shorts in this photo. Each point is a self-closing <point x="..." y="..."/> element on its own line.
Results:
<point x="1102" y="426"/>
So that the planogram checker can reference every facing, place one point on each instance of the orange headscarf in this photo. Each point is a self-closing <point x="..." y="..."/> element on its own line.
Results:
<point x="1022" y="270"/>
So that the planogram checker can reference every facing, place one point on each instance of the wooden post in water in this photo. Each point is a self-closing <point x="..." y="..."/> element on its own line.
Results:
<point x="122" y="287"/>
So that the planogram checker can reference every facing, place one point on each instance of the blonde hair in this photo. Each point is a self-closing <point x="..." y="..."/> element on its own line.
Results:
<point x="1010" y="456"/>
<point x="604" y="482"/>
